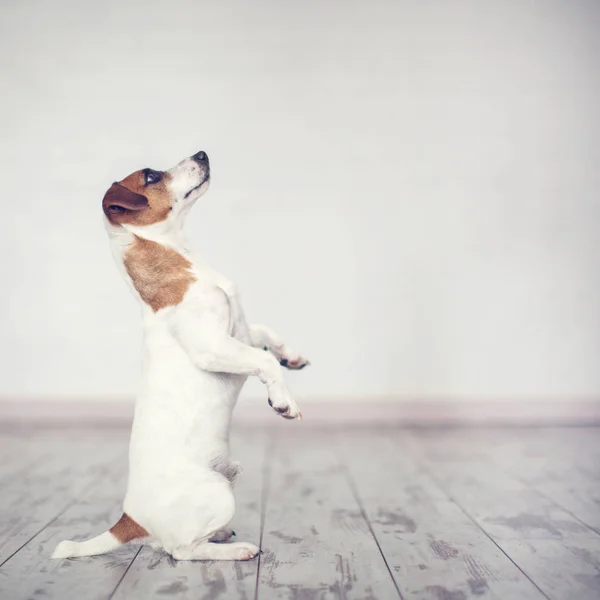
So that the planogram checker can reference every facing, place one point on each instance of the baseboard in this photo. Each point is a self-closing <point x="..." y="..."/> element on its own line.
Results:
<point x="326" y="411"/>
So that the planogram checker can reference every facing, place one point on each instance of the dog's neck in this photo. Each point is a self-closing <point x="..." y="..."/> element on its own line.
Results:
<point x="122" y="237"/>
<point x="164" y="233"/>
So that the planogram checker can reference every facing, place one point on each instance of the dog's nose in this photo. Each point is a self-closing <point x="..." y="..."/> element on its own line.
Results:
<point x="200" y="156"/>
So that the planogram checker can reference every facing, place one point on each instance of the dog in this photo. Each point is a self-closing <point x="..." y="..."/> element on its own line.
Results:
<point x="198" y="352"/>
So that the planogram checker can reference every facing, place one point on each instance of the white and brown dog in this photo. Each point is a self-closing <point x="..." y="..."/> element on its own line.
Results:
<point x="198" y="352"/>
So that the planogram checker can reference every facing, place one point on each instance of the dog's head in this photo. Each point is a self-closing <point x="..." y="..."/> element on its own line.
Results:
<point x="148" y="197"/>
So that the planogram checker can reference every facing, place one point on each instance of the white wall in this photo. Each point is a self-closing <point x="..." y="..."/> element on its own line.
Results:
<point x="408" y="191"/>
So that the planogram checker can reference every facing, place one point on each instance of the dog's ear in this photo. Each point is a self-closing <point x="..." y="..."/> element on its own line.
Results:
<point x="119" y="199"/>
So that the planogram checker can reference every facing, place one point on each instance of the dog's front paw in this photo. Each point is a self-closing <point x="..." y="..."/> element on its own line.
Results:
<point x="285" y="407"/>
<point x="294" y="362"/>
<point x="288" y="358"/>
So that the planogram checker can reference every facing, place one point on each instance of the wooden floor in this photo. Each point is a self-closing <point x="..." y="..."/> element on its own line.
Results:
<point x="372" y="514"/>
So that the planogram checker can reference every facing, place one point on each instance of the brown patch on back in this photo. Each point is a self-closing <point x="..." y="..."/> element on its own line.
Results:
<point x="159" y="274"/>
<point x="126" y="529"/>
<point x="159" y="201"/>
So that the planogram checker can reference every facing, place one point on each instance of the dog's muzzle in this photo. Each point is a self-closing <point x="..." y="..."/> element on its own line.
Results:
<point x="201" y="158"/>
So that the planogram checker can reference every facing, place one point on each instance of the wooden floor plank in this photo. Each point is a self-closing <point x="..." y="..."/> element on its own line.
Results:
<point x="555" y="549"/>
<point x="502" y="505"/>
<point x="31" y="573"/>
<point x="563" y="467"/>
<point x="578" y="497"/>
<point x="451" y="514"/>
<point x="316" y="541"/>
<point x="154" y="573"/>
<point x="20" y="452"/>
<point x="564" y="569"/>
<point x="433" y="549"/>
<point x="68" y="467"/>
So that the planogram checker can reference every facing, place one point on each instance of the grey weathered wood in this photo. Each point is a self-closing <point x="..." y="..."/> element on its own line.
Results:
<point x="155" y="574"/>
<point x="51" y="485"/>
<point x="433" y="549"/>
<point x="501" y="504"/>
<point x="13" y="465"/>
<point x="31" y="573"/>
<point x="564" y="569"/>
<point x="556" y="550"/>
<point x="20" y="452"/>
<point x="445" y="508"/>
<point x="316" y="541"/>
<point x="564" y="467"/>
<point x="579" y="497"/>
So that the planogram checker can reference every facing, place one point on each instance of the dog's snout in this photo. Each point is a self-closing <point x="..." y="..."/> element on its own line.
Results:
<point x="200" y="157"/>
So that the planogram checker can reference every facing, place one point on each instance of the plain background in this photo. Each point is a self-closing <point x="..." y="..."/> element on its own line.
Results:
<point x="407" y="191"/>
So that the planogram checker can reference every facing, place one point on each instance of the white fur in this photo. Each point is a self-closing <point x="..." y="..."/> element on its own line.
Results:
<point x="105" y="542"/>
<point x="196" y="358"/>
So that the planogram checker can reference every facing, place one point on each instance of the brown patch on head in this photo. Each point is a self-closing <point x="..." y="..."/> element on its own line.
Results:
<point x="126" y="529"/>
<point x="160" y="275"/>
<point x="132" y="201"/>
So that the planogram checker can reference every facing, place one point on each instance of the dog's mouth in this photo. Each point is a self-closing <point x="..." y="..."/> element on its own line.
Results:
<point x="206" y="178"/>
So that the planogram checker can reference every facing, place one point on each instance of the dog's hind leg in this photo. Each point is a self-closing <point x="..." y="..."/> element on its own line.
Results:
<point x="212" y="551"/>
<point x="230" y="470"/>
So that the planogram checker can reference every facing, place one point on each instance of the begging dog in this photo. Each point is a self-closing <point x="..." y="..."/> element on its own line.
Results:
<point x="198" y="352"/>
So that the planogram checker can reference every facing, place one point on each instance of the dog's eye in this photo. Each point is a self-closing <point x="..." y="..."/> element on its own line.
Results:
<point x="151" y="176"/>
